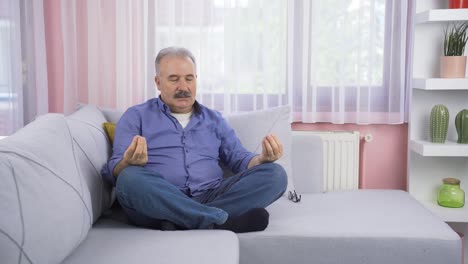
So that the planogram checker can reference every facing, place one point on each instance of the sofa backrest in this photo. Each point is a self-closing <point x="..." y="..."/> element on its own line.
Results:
<point x="51" y="190"/>
<point x="307" y="162"/>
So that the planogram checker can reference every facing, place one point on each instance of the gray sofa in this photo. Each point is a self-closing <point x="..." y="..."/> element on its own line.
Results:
<point x="55" y="207"/>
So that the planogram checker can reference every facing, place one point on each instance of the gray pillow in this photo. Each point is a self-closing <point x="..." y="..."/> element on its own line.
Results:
<point x="111" y="115"/>
<point x="45" y="205"/>
<point x="252" y="127"/>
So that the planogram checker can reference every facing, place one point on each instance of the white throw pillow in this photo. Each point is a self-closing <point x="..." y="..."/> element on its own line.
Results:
<point x="252" y="127"/>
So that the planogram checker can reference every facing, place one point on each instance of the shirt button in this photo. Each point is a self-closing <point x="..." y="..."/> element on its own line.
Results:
<point x="186" y="150"/>
<point x="187" y="166"/>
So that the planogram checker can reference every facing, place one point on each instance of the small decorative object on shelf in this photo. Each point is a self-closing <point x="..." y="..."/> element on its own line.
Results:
<point x="453" y="63"/>
<point x="439" y="123"/>
<point x="461" y="123"/>
<point x="450" y="194"/>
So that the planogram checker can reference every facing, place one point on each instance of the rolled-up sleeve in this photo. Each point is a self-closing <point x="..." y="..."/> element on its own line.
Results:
<point x="128" y="126"/>
<point x="232" y="153"/>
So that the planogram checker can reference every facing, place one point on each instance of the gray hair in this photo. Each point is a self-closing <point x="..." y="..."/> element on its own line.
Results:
<point x="173" y="51"/>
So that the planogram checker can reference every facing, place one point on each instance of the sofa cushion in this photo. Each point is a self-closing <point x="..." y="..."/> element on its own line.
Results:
<point x="92" y="150"/>
<point x="365" y="226"/>
<point x="45" y="206"/>
<point x="117" y="243"/>
<point x="252" y="127"/>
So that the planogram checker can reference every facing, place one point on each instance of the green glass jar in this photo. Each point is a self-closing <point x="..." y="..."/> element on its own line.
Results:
<point x="450" y="194"/>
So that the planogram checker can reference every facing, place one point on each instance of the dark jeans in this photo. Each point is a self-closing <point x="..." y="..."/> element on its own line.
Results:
<point x="146" y="197"/>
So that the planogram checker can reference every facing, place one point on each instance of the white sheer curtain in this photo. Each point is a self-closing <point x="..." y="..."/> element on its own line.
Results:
<point x="240" y="46"/>
<point x="351" y="61"/>
<point x="23" y="71"/>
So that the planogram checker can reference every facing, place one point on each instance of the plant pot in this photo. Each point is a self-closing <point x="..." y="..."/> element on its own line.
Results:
<point x="458" y="4"/>
<point x="439" y="123"/>
<point x="461" y="124"/>
<point x="452" y="66"/>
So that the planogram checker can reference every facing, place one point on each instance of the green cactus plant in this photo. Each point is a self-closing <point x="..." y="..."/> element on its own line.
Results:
<point x="461" y="123"/>
<point x="439" y="123"/>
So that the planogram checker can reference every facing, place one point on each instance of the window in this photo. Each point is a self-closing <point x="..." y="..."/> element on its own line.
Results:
<point x="347" y="43"/>
<point x="5" y="76"/>
<point x="5" y="52"/>
<point x="351" y="61"/>
<point x="240" y="45"/>
<point x="17" y="53"/>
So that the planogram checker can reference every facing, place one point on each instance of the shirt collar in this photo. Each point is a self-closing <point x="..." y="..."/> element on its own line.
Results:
<point x="165" y="108"/>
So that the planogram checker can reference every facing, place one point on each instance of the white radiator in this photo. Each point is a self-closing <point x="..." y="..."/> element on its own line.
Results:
<point x="340" y="158"/>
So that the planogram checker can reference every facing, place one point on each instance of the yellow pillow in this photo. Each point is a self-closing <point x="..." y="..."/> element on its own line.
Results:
<point x="110" y="130"/>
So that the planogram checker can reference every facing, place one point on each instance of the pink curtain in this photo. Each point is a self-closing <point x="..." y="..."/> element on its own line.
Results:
<point x="54" y="49"/>
<point x="93" y="57"/>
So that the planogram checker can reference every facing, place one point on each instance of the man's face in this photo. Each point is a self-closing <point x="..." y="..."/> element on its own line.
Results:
<point x="177" y="82"/>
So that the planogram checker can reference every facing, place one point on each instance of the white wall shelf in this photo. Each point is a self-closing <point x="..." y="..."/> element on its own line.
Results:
<point x="440" y="84"/>
<point x="429" y="163"/>
<point x="447" y="214"/>
<point x="441" y="15"/>
<point x="448" y="149"/>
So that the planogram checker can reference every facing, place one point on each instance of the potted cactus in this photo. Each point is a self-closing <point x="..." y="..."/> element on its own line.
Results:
<point x="453" y="63"/>
<point x="461" y="124"/>
<point x="439" y="123"/>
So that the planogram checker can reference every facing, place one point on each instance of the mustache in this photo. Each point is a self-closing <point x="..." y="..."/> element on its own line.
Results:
<point x="183" y="94"/>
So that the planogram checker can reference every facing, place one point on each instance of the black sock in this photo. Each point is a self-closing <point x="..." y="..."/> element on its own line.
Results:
<point x="168" y="226"/>
<point x="251" y="221"/>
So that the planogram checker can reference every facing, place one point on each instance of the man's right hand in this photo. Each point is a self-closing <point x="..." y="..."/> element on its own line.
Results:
<point x="135" y="155"/>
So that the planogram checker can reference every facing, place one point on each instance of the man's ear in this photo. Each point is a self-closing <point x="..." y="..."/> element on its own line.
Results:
<point x="157" y="81"/>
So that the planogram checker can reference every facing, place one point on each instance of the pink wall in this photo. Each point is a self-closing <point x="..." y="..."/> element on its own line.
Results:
<point x="383" y="163"/>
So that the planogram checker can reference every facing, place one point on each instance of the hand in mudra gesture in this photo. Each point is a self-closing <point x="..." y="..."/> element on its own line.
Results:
<point x="272" y="149"/>
<point x="137" y="152"/>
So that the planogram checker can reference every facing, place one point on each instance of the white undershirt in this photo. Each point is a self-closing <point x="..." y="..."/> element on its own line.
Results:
<point x="183" y="118"/>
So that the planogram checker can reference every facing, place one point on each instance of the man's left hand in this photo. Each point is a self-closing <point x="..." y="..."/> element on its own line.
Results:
<point x="272" y="149"/>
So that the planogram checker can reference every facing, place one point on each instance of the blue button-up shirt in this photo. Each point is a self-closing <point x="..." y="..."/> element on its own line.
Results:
<point x="188" y="158"/>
